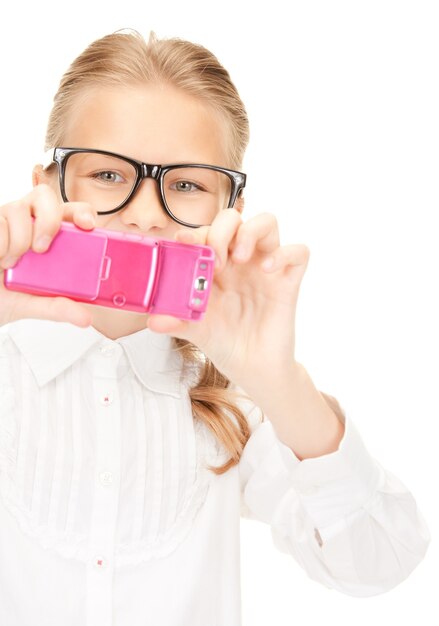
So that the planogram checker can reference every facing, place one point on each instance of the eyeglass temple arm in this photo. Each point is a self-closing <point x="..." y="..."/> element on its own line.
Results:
<point x="48" y="158"/>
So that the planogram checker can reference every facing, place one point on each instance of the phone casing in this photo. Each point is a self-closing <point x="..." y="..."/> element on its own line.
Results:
<point x="120" y="270"/>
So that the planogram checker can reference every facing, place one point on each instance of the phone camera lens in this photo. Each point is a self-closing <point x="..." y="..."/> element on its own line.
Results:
<point x="201" y="283"/>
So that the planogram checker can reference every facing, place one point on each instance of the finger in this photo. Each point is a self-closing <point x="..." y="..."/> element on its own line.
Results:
<point x="189" y="237"/>
<point x="81" y="214"/>
<point x="291" y="255"/>
<point x="58" y="309"/>
<point x="192" y="235"/>
<point x="4" y="236"/>
<point x="45" y="208"/>
<point x="179" y="328"/>
<point x="217" y="235"/>
<point x="260" y="232"/>
<point x="221" y="233"/>
<point x="65" y="310"/>
<point x="49" y="213"/>
<point x="166" y="324"/>
<point x="32" y="221"/>
<point x="16" y="232"/>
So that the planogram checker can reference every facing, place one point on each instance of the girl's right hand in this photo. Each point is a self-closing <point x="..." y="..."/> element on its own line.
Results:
<point x="18" y="233"/>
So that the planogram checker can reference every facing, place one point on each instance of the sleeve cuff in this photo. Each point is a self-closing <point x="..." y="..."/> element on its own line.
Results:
<point x="329" y="487"/>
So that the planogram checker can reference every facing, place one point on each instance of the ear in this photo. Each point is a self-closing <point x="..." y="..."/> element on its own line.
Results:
<point x="239" y="203"/>
<point x="39" y="175"/>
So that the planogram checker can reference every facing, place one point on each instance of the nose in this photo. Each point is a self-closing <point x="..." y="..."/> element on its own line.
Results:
<point x="145" y="208"/>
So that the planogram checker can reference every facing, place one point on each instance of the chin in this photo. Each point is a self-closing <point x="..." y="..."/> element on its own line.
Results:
<point x="116" y="323"/>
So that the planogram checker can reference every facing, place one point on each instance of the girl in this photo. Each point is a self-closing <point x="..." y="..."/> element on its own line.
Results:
<point x="130" y="444"/>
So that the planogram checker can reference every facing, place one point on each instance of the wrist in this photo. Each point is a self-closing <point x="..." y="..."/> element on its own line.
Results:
<point x="301" y="416"/>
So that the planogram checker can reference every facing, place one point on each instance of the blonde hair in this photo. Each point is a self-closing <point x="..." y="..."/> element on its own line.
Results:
<point x="125" y="58"/>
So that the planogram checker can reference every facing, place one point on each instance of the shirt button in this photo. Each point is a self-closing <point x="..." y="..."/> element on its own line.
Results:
<point x="106" y="478"/>
<point x="99" y="562"/>
<point x="106" y="399"/>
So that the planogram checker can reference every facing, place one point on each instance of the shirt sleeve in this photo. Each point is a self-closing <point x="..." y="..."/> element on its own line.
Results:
<point x="349" y="523"/>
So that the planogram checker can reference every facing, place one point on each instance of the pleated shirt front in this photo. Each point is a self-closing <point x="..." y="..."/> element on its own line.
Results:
<point x="108" y="513"/>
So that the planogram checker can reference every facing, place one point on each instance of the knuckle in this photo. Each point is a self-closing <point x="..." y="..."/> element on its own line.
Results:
<point x="13" y="207"/>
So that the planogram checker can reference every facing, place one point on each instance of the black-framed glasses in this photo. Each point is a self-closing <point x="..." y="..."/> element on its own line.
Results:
<point x="190" y="193"/>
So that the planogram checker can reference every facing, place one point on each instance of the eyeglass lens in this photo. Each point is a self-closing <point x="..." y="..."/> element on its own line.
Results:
<point x="192" y="194"/>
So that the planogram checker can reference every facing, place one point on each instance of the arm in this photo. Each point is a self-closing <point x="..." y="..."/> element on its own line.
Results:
<point x="349" y="523"/>
<point x="304" y="419"/>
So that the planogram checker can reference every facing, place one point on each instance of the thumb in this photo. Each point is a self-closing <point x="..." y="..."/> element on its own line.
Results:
<point x="168" y="325"/>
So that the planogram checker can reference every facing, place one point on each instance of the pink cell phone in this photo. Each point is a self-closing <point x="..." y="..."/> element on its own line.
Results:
<point x="120" y="270"/>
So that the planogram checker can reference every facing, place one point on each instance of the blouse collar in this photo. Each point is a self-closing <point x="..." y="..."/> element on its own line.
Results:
<point x="51" y="347"/>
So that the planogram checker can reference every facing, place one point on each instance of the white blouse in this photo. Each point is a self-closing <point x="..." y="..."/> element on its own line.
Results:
<point x="109" y="516"/>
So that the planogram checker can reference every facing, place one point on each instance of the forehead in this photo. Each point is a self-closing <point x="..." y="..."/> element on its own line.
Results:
<point x="154" y="123"/>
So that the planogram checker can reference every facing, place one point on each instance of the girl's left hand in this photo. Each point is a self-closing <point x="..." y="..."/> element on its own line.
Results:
<point x="248" y="328"/>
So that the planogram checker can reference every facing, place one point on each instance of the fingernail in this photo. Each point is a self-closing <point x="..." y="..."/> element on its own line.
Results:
<point x="88" y="218"/>
<point x="42" y="243"/>
<point x="217" y="261"/>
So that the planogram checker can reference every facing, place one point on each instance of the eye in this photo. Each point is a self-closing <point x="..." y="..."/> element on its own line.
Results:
<point x="185" y="186"/>
<point x="108" y="176"/>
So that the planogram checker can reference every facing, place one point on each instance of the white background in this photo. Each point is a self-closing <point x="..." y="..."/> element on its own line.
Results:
<point x="343" y="104"/>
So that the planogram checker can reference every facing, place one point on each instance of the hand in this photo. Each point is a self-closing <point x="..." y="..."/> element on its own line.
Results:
<point x="248" y="330"/>
<point x="18" y="233"/>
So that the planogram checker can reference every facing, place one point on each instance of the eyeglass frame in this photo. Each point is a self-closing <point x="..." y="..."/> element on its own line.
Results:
<point x="60" y="156"/>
